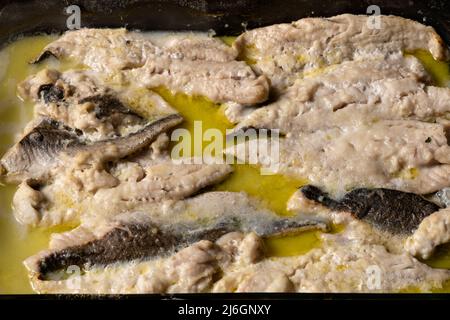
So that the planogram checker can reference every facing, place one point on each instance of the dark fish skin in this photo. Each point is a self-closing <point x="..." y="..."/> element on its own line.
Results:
<point x="389" y="210"/>
<point x="285" y="227"/>
<point x="127" y="242"/>
<point x="44" y="55"/>
<point x="251" y="131"/>
<point x="51" y="93"/>
<point x="107" y="105"/>
<point x="38" y="149"/>
<point x="135" y="141"/>
<point x="38" y="152"/>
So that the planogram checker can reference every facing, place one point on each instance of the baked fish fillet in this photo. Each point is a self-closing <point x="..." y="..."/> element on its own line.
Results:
<point x="122" y="54"/>
<point x="283" y="52"/>
<point x="82" y="100"/>
<point x="41" y="149"/>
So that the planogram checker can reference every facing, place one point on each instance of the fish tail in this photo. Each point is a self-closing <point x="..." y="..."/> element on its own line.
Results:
<point x="315" y="194"/>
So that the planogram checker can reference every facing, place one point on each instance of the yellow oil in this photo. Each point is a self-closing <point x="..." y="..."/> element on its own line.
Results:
<point x="247" y="53"/>
<point x="441" y="259"/>
<point x="195" y="108"/>
<point x="13" y="69"/>
<point x="245" y="178"/>
<point x="439" y="70"/>
<point x="229" y="40"/>
<point x="292" y="245"/>
<point x="273" y="190"/>
<point x="16" y="244"/>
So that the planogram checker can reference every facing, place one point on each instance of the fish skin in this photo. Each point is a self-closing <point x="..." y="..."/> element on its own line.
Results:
<point x="132" y="242"/>
<point x="444" y="197"/>
<point x="105" y="104"/>
<point x="389" y="210"/>
<point x="51" y="93"/>
<point x="140" y="240"/>
<point x="38" y="152"/>
<point x="44" y="55"/>
<point x="85" y="100"/>
<point x="135" y="141"/>
<point x="219" y="77"/>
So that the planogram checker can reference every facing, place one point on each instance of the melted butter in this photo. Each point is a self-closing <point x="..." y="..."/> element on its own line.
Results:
<point x="245" y="177"/>
<point x="273" y="190"/>
<point x="249" y="55"/>
<point x="441" y="260"/>
<point x="195" y="108"/>
<point x="292" y="245"/>
<point x="439" y="70"/>
<point x="228" y="40"/>
<point x="17" y="243"/>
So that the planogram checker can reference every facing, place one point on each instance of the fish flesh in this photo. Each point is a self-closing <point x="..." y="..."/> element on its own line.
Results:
<point x="355" y="92"/>
<point x="433" y="231"/>
<point x="406" y="155"/>
<point x="139" y="235"/>
<point x="82" y="100"/>
<point x="164" y="180"/>
<point x="144" y="241"/>
<point x="217" y="76"/>
<point x="192" y="269"/>
<point x="39" y="151"/>
<point x="285" y="52"/>
<point x="236" y="261"/>
<point x="363" y="123"/>
<point x="81" y="193"/>
<point x="192" y="45"/>
<point x="343" y="263"/>
<point x="394" y="211"/>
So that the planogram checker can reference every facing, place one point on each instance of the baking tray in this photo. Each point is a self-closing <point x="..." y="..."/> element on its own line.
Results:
<point x="224" y="17"/>
<point x="27" y="17"/>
